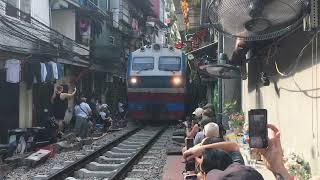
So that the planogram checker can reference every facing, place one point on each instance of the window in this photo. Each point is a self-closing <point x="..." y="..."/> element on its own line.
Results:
<point x="143" y="63"/>
<point x="13" y="7"/>
<point x="170" y="63"/>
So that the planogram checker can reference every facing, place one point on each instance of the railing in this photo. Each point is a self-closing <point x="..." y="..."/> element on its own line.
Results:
<point x="89" y="4"/>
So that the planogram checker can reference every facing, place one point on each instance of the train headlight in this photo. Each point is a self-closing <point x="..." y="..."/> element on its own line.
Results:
<point x="133" y="80"/>
<point x="177" y="80"/>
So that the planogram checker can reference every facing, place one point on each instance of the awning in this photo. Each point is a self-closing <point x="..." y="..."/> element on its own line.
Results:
<point x="210" y="50"/>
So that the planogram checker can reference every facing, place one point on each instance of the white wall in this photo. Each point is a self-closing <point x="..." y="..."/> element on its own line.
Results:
<point x="115" y="4"/>
<point x="40" y="11"/>
<point x="25" y="106"/>
<point x="293" y="102"/>
<point x="64" y="21"/>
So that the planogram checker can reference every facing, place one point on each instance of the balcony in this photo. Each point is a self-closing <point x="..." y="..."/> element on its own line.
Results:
<point x="87" y="5"/>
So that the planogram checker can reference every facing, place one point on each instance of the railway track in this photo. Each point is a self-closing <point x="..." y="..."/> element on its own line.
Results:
<point x="114" y="159"/>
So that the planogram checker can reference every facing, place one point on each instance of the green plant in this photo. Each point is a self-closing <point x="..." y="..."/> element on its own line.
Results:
<point x="237" y="119"/>
<point x="229" y="108"/>
<point x="298" y="167"/>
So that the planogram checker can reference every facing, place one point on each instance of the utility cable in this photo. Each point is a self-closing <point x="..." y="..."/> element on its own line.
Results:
<point x="297" y="59"/>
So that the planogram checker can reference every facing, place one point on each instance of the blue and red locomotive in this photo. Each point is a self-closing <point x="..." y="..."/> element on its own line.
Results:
<point x="156" y="83"/>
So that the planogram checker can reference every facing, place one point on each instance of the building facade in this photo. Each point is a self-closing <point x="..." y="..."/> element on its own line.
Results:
<point x="36" y="32"/>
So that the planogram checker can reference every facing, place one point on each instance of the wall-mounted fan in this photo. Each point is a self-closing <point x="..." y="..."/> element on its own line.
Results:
<point x="254" y="20"/>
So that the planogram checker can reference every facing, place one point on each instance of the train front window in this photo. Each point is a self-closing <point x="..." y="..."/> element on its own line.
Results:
<point x="143" y="63"/>
<point x="169" y="63"/>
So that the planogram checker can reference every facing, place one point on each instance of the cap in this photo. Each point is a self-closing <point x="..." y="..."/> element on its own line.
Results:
<point x="235" y="171"/>
<point x="198" y="112"/>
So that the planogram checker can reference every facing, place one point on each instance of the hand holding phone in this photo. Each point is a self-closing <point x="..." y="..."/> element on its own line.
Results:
<point x="258" y="133"/>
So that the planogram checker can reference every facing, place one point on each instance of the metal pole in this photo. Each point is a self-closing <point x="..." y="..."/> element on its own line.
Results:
<point x="202" y="12"/>
<point x="220" y="60"/>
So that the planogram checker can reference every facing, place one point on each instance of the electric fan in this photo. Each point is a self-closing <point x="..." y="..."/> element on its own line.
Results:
<point x="254" y="20"/>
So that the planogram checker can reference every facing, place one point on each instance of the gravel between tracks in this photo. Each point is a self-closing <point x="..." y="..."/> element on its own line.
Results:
<point x="155" y="170"/>
<point x="27" y="173"/>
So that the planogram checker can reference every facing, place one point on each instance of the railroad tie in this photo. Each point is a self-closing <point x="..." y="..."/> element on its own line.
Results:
<point x="85" y="173"/>
<point x="104" y="160"/>
<point x="117" y="155"/>
<point x="124" y="150"/>
<point x="95" y="166"/>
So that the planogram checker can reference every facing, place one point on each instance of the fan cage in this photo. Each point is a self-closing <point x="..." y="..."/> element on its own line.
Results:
<point x="263" y="35"/>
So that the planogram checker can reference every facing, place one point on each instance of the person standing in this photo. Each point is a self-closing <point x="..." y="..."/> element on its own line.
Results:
<point x="82" y="112"/>
<point x="59" y="101"/>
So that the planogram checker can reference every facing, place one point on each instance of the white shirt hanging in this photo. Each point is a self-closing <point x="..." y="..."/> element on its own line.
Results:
<point x="13" y="67"/>
<point x="43" y="72"/>
<point x="55" y="70"/>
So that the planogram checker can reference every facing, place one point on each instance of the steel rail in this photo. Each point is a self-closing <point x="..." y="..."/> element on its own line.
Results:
<point x="127" y="166"/>
<point x="71" y="168"/>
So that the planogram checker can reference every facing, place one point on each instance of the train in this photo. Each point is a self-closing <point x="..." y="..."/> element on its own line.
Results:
<point x="156" y="83"/>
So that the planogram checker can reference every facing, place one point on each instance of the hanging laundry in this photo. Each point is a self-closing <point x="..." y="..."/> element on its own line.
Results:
<point x="60" y="70"/>
<point x="36" y="71"/>
<point x="13" y="67"/>
<point x="49" y="77"/>
<point x="54" y="70"/>
<point x="43" y="72"/>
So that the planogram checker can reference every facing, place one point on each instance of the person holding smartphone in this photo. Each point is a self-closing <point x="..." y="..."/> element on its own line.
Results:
<point x="59" y="101"/>
<point x="271" y="155"/>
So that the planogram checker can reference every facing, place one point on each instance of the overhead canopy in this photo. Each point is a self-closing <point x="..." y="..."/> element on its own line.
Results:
<point x="210" y="50"/>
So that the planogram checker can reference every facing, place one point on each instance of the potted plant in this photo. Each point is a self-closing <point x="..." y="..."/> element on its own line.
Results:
<point x="235" y="117"/>
<point x="236" y="121"/>
<point x="297" y="167"/>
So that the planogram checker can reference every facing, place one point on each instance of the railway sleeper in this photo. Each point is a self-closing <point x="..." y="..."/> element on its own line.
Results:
<point x="118" y="155"/>
<point x="95" y="166"/>
<point x="133" y="142"/>
<point x="128" y="146"/>
<point x="107" y="160"/>
<point x="85" y="173"/>
<point x="124" y="150"/>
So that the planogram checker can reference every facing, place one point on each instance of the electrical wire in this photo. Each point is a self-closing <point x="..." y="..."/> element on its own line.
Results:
<point x="297" y="59"/>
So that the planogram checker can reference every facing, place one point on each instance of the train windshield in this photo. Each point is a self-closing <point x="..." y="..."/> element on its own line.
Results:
<point x="142" y="63"/>
<point x="170" y="63"/>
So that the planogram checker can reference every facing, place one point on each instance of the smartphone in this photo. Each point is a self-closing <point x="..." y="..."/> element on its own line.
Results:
<point x="190" y="165"/>
<point x="191" y="177"/>
<point x="258" y="132"/>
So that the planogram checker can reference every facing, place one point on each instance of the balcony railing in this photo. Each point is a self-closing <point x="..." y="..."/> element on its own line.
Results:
<point x="88" y="4"/>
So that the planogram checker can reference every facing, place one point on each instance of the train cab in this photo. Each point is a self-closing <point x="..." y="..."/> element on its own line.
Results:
<point x="156" y="83"/>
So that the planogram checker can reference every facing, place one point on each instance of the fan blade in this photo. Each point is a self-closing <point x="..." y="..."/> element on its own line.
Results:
<point x="284" y="11"/>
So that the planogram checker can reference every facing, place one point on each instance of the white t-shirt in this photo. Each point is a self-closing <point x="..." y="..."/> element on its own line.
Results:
<point x="54" y="70"/>
<point x="13" y="67"/>
<point x="84" y="111"/>
<point x="43" y="72"/>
